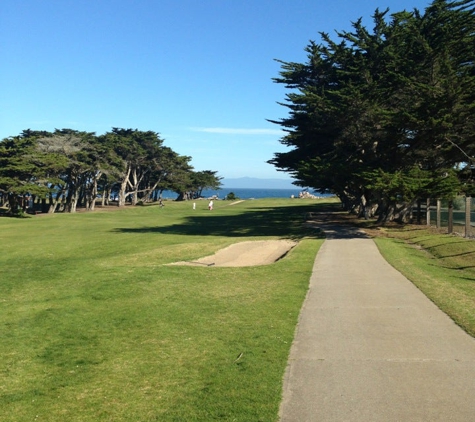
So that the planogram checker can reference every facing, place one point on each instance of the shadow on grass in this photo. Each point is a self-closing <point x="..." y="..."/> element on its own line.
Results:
<point x="468" y="268"/>
<point x="458" y="254"/>
<point x="286" y="222"/>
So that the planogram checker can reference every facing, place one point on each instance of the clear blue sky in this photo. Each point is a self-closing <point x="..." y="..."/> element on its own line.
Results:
<point x="196" y="71"/>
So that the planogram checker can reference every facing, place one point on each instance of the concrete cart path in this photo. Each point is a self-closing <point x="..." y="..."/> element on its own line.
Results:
<point x="371" y="347"/>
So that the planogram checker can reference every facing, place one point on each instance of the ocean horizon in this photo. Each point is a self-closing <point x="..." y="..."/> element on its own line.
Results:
<point x="249" y="193"/>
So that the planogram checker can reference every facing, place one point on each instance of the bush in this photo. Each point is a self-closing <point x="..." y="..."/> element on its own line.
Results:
<point x="231" y="196"/>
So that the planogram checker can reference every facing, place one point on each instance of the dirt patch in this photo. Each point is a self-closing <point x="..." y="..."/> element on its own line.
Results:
<point x="245" y="254"/>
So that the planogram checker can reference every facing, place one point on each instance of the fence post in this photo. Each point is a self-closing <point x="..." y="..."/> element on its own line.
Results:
<point x="451" y="217"/>
<point x="418" y="211"/>
<point x="468" y="203"/>
<point x="439" y="206"/>
<point x="428" y="211"/>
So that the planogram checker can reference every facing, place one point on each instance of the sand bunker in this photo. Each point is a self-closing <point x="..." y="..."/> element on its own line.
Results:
<point x="245" y="254"/>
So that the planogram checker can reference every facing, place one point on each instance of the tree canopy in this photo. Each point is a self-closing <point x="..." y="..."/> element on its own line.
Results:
<point x="67" y="168"/>
<point x="383" y="117"/>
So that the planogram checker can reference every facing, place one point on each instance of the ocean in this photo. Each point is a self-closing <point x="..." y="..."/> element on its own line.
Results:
<point x="245" y="193"/>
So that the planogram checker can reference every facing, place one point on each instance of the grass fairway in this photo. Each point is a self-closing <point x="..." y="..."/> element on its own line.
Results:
<point x="96" y="327"/>
<point x="441" y="266"/>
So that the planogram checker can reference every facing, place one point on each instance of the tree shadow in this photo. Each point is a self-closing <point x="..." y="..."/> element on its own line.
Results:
<point x="342" y="231"/>
<point x="468" y="268"/>
<point x="285" y="222"/>
<point x="445" y="244"/>
<point x="458" y="254"/>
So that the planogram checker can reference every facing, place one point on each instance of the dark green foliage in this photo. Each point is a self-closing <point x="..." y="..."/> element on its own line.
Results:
<point x="383" y="117"/>
<point x="21" y="171"/>
<point x="231" y="196"/>
<point x="67" y="168"/>
<point x="205" y="180"/>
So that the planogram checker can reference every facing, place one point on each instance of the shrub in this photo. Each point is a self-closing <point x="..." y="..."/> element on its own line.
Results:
<point x="231" y="196"/>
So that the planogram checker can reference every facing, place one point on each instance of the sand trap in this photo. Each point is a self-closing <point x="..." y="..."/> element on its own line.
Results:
<point x="245" y="254"/>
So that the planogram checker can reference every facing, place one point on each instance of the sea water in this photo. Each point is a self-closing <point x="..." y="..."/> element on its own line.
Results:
<point x="245" y="193"/>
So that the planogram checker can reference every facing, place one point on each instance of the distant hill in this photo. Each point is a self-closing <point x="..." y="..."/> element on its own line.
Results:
<point x="255" y="183"/>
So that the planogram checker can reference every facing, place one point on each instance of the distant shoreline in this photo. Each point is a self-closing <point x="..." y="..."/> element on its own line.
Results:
<point x="256" y="183"/>
<point x="249" y="193"/>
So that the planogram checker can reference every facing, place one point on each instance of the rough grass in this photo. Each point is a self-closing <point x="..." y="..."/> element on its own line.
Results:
<point x="440" y="265"/>
<point x="95" y="327"/>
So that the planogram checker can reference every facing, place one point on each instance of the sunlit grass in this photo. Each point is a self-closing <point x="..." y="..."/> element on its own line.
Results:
<point x="95" y="327"/>
<point x="440" y="265"/>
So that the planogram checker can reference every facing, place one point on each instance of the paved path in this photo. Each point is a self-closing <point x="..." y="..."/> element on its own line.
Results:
<point x="371" y="347"/>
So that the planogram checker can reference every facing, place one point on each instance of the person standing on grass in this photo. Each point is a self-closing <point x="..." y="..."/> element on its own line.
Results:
<point x="210" y="205"/>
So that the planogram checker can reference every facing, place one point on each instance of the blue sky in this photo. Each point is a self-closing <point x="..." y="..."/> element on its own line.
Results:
<point x="198" y="72"/>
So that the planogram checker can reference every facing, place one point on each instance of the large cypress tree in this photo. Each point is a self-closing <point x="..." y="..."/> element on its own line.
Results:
<point x="395" y="103"/>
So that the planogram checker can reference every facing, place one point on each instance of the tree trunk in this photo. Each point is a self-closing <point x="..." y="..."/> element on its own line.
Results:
<point x="367" y="209"/>
<point x="71" y="205"/>
<point x="53" y="202"/>
<point x="150" y="191"/>
<point x="403" y="214"/>
<point x="134" y="187"/>
<point x="82" y="195"/>
<point x="13" y="203"/>
<point x="182" y="196"/>
<point x="91" y="192"/>
<point x="73" y="185"/>
<point x="121" y="198"/>
<point x="106" y="195"/>
<point x="345" y="201"/>
<point x="386" y="212"/>
<point x="137" y="180"/>
<point x="123" y="187"/>
<point x="72" y="198"/>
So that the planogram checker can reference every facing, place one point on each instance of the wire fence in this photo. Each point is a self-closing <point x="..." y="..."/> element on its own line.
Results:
<point x="462" y="211"/>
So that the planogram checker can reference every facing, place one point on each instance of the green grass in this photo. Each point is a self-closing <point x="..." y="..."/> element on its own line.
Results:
<point x="440" y="265"/>
<point x="96" y="327"/>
